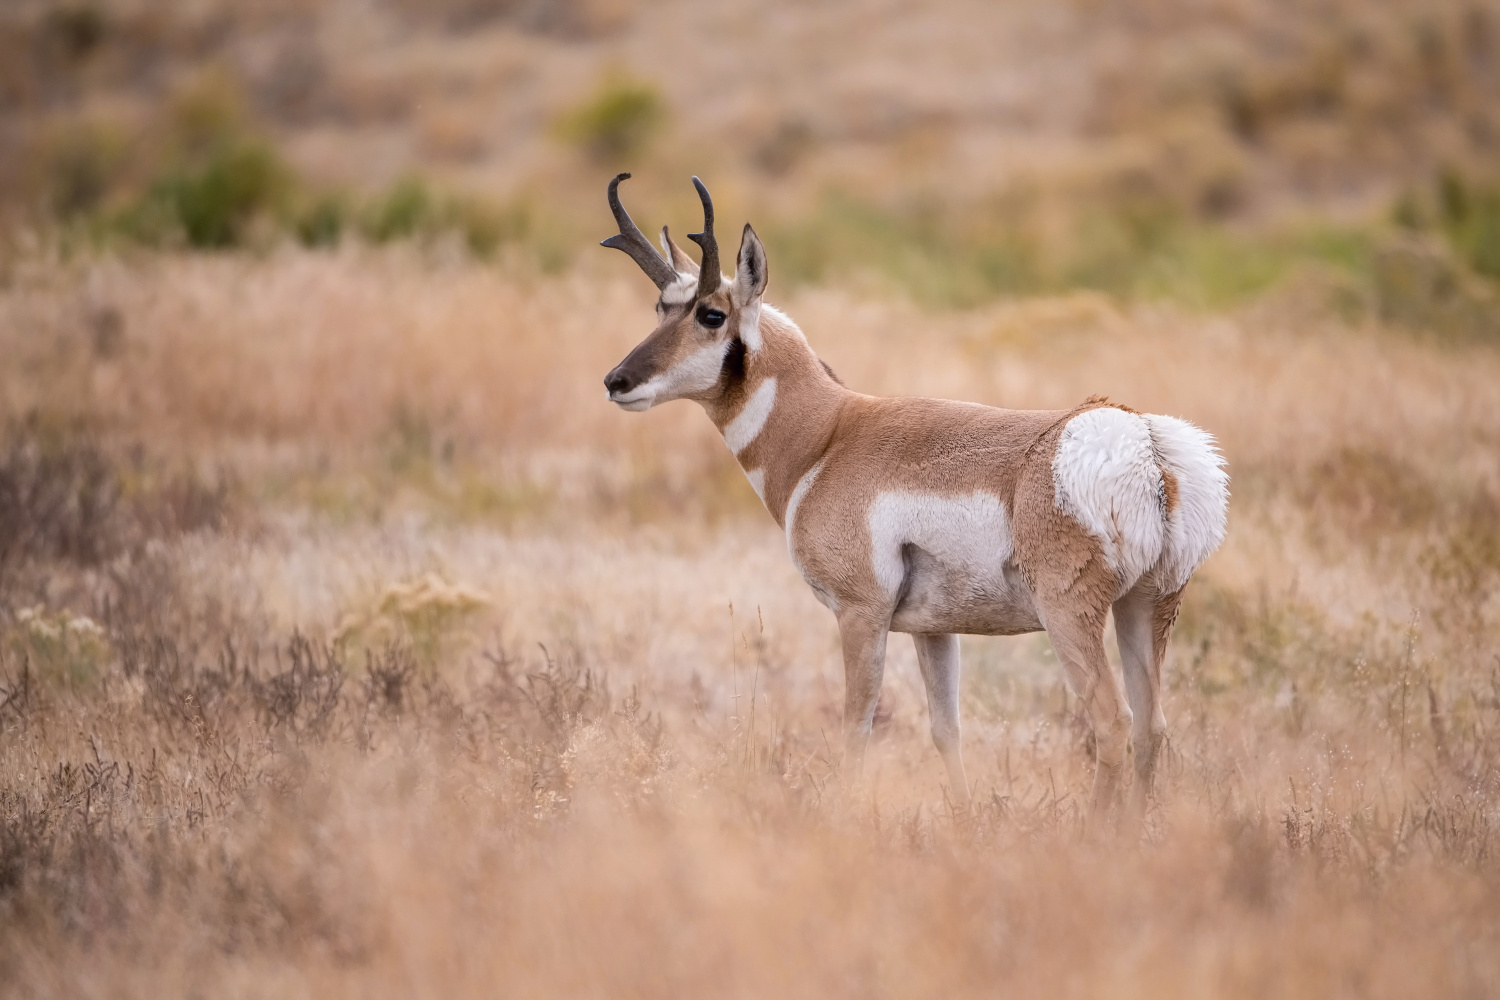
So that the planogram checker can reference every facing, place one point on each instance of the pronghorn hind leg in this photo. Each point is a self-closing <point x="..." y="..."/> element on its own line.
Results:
<point x="1143" y="624"/>
<point x="1073" y="585"/>
<point x="938" y="657"/>
<point x="1079" y="642"/>
<point x="862" y="636"/>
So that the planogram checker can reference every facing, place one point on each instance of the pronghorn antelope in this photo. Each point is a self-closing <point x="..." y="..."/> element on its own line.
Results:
<point x="938" y="518"/>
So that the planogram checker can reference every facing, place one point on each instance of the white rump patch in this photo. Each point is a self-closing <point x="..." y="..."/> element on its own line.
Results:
<point x="1196" y="525"/>
<point x="1106" y="477"/>
<point x="969" y="533"/>
<point x="757" y="479"/>
<point x="748" y="423"/>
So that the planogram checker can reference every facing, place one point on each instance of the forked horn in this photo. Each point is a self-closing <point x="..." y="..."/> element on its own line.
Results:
<point x="708" y="272"/>
<point x="633" y="241"/>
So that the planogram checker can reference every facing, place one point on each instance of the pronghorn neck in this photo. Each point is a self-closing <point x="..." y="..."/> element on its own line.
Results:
<point x="779" y="412"/>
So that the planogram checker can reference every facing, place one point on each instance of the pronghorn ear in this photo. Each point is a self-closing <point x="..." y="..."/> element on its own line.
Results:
<point x="749" y="269"/>
<point x="680" y="261"/>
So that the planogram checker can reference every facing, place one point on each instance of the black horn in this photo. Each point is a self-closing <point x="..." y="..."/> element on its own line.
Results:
<point x="633" y="242"/>
<point x="708" y="273"/>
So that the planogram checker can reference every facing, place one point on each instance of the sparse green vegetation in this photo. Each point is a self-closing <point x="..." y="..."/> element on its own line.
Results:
<point x="616" y="123"/>
<point x="952" y="257"/>
<point x="322" y="221"/>
<point x="403" y="211"/>
<point x="216" y="204"/>
<point x="1470" y="217"/>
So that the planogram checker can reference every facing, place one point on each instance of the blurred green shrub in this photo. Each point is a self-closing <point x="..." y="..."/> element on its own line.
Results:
<point x="216" y="203"/>
<point x="1470" y="216"/>
<point x="617" y="122"/>
<point x="411" y="209"/>
<point x="487" y="226"/>
<point x="212" y="182"/>
<point x="322" y="221"/>
<point x="405" y="210"/>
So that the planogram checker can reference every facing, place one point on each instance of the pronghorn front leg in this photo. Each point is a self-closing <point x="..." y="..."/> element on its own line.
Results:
<point x="937" y="655"/>
<point x="863" y="635"/>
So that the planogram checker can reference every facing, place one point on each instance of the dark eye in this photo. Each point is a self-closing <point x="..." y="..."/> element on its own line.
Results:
<point x="711" y="318"/>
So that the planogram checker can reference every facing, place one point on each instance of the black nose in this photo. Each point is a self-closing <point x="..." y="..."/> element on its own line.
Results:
<point x="618" y="382"/>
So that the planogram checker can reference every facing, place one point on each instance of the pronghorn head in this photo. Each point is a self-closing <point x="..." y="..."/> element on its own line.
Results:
<point x="704" y="323"/>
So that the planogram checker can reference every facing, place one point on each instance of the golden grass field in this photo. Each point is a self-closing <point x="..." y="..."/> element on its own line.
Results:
<point x="419" y="669"/>
<point x="352" y="644"/>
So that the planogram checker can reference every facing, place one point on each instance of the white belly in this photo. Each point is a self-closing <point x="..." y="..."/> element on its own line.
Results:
<point x="948" y="564"/>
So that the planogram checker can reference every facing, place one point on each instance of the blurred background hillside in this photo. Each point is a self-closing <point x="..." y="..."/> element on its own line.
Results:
<point x="1201" y="149"/>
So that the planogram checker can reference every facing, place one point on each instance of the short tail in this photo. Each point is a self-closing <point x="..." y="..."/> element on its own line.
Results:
<point x="1195" y="497"/>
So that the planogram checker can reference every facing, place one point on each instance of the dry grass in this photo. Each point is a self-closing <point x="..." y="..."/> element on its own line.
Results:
<point x="354" y="645"/>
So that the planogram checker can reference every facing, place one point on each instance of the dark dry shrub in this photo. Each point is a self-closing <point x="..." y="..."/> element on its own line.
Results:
<point x="389" y="680"/>
<point x="23" y="841"/>
<point x="533" y="711"/>
<point x="304" y="697"/>
<point x="182" y="502"/>
<point x="63" y="499"/>
<point x="179" y="695"/>
<point x="98" y="842"/>
<point x="396" y="689"/>
<point x="59" y="499"/>
<point x="544" y="705"/>
<point x="66" y="849"/>
<point x="16" y="691"/>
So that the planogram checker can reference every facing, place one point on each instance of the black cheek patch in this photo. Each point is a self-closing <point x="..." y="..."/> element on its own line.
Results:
<point x="733" y="371"/>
